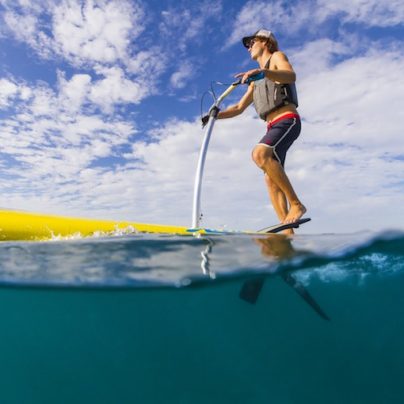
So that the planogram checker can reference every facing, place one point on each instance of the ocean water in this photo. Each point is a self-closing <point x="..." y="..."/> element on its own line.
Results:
<point x="148" y="319"/>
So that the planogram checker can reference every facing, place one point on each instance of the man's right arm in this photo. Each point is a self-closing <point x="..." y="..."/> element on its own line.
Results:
<point x="237" y="109"/>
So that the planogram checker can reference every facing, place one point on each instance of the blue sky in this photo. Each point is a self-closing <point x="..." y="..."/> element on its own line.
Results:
<point x="100" y="105"/>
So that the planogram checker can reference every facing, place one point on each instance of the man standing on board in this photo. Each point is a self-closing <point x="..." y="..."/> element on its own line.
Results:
<point x="275" y="99"/>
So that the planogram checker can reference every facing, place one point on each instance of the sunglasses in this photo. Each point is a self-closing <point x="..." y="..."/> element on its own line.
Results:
<point x="251" y="43"/>
<point x="253" y="40"/>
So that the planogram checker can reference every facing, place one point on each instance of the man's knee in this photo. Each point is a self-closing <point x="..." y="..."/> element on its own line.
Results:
<point x="261" y="155"/>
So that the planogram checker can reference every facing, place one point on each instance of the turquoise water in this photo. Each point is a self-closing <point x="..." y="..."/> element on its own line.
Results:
<point x="160" y="320"/>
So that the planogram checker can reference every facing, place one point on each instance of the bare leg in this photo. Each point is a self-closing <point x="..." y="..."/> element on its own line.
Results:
<point x="278" y="199"/>
<point x="279" y="202"/>
<point x="262" y="155"/>
<point x="277" y="174"/>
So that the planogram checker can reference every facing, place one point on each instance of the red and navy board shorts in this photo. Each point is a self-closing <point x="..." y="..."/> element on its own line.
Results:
<point x="281" y="133"/>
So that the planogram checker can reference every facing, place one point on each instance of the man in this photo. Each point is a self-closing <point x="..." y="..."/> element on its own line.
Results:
<point x="274" y="97"/>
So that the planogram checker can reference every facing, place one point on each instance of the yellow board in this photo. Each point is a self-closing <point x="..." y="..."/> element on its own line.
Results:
<point x="17" y="225"/>
<point x="26" y="226"/>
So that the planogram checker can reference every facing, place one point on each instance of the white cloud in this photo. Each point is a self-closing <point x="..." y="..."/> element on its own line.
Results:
<point x="27" y="25"/>
<point x="11" y="91"/>
<point x="109" y="38"/>
<point x="356" y="98"/>
<point x="278" y="16"/>
<point x="50" y="145"/>
<point x="309" y="15"/>
<point x="184" y="73"/>
<point x="97" y="35"/>
<point x="44" y="102"/>
<point x="317" y="56"/>
<point x="116" y="89"/>
<point x="8" y="90"/>
<point x="24" y="19"/>
<point x="89" y="32"/>
<point x="369" y="12"/>
<point x="148" y="64"/>
<point x="97" y="31"/>
<point x="76" y="93"/>
<point x="73" y="93"/>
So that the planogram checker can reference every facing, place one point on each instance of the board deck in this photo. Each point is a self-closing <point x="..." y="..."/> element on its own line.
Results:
<point x="282" y="226"/>
<point x="27" y="226"/>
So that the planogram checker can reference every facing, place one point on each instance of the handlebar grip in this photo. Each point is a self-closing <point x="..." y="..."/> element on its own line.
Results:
<point x="256" y="77"/>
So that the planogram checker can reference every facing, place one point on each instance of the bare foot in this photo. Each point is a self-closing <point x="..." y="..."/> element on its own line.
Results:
<point x="296" y="211"/>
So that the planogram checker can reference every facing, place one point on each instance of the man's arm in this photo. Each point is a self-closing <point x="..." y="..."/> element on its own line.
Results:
<point x="283" y="72"/>
<point x="237" y="109"/>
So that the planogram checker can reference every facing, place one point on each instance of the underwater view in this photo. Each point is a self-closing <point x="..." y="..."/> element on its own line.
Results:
<point x="221" y="319"/>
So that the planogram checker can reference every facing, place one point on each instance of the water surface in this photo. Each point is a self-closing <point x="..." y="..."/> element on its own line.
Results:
<point x="150" y="319"/>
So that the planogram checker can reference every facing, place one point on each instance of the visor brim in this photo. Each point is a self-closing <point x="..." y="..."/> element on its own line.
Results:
<point x="246" y="40"/>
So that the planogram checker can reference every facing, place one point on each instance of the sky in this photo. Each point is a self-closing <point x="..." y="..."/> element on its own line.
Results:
<point x="100" y="106"/>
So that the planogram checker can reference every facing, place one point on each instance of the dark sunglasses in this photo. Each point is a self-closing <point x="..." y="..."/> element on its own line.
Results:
<point x="251" y="43"/>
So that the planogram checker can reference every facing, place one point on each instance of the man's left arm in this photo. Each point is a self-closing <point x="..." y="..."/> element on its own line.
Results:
<point x="283" y="72"/>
